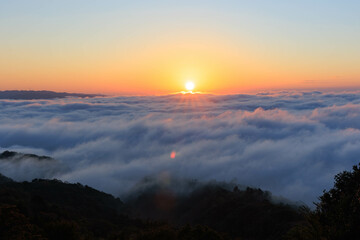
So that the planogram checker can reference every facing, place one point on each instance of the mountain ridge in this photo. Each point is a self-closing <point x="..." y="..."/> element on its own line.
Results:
<point x="19" y="156"/>
<point x="43" y="94"/>
<point x="54" y="209"/>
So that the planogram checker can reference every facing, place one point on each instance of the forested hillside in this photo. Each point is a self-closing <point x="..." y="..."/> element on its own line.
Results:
<point x="52" y="209"/>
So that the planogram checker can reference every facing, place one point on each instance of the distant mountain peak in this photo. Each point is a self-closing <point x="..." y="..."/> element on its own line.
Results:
<point x="31" y="95"/>
<point x="7" y="154"/>
<point x="20" y="156"/>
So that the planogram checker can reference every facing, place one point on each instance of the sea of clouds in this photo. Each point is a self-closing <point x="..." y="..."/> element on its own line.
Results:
<point x="291" y="143"/>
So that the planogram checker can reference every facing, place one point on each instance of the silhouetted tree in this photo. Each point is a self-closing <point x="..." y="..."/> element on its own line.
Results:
<point x="337" y="215"/>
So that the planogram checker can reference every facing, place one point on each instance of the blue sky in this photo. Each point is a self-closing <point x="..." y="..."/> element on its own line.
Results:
<point x="292" y="41"/>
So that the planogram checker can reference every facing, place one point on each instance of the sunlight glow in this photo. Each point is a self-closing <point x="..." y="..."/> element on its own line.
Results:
<point x="189" y="86"/>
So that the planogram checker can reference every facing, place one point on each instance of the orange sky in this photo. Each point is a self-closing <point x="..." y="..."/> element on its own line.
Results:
<point x="146" y="49"/>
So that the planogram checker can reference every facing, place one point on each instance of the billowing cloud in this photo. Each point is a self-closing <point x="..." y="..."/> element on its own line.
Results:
<point x="291" y="143"/>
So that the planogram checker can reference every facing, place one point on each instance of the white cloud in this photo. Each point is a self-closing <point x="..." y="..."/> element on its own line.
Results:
<point x="291" y="143"/>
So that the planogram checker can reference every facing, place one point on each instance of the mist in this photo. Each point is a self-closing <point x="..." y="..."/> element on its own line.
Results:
<point x="291" y="143"/>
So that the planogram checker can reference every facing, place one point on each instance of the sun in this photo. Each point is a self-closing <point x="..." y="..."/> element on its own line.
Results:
<point x="189" y="86"/>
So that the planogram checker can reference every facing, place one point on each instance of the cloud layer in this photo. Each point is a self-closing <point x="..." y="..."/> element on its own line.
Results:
<point x="291" y="143"/>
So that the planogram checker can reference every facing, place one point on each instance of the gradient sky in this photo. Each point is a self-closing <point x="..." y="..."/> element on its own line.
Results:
<point x="153" y="47"/>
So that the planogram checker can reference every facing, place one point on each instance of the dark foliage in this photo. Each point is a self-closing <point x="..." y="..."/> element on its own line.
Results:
<point x="337" y="215"/>
<point x="248" y="214"/>
<point x="64" y="211"/>
<point x="51" y="209"/>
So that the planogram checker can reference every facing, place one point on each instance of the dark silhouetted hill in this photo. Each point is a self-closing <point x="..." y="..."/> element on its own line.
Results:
<point x="52" y="209"/>
<point x="10" y="155"/>
<point x="4" y="179"/>
<point x="245" y="214"/>
<point x="31" y="95"/>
